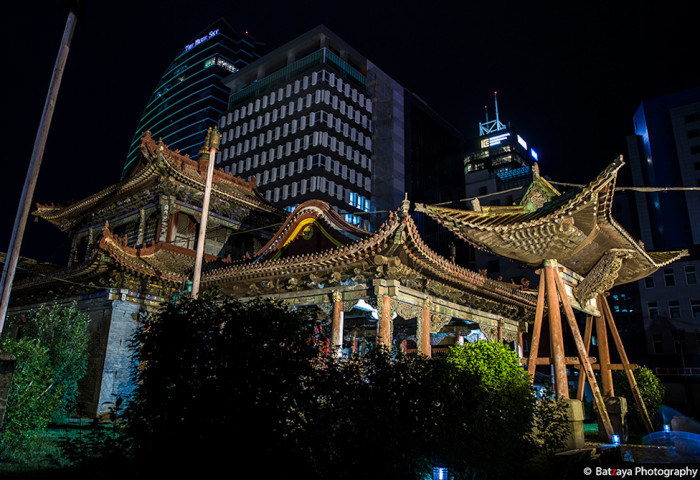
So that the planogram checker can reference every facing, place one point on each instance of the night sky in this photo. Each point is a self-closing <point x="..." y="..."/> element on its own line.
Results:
<point x="568" y="78"/>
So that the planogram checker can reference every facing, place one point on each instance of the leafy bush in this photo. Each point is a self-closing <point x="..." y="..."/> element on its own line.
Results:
<point x="213" y="372"/>
<point x="32" y="400"/>
<point x="551" y="424"/>
<point x="208" y="369"/>
<point x="51" y="356"/>
<point x="500" y="404"/>
<point x="651" y="390"/>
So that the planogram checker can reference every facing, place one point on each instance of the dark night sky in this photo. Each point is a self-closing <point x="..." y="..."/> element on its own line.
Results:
<point x="569" y="78"/>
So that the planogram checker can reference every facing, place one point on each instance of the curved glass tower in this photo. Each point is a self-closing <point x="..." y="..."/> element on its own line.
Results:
<point x="190" y="96"/>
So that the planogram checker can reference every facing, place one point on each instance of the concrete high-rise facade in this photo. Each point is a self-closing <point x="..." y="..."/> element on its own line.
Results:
<point x="314" y="118"/>
<point x="190" y="96"/>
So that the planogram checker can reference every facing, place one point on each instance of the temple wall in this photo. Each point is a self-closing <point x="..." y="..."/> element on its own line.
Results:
<point x="116" y="370"/>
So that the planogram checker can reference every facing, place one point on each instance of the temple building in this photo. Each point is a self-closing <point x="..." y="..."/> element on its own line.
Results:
<point x="134" y="248"/>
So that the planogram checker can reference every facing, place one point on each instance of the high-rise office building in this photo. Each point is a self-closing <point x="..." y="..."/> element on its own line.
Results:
<point x="498" y="168"/>
<point x="664" y="152"/>
<point x="190" y="97"/>
<point x="314" y="118"/>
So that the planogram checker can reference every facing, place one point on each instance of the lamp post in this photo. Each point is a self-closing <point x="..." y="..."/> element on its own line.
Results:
<point x="212" y="143"/>
<point x="8" y="271"/>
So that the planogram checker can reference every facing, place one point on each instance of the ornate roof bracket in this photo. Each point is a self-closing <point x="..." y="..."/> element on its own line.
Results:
<point x="602" y="276"/>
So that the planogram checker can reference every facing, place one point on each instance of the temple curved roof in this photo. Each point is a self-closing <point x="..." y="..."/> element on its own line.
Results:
<point x="158" y="162"/>
<point x="575" y="228"/>
<point x="395" y="251"/>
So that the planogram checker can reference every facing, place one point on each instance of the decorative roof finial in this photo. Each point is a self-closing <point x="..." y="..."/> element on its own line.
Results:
<point x="205" y="146"/>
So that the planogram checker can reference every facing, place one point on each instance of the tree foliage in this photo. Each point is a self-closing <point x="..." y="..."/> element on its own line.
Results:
<point x="650" y="388"/>
<point x="51" y="351"/>
<point x="213" y="373"/>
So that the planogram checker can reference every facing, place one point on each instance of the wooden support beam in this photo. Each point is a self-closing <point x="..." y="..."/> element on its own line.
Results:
<point x="587" y="341"/>
<point x="556" y="335"/>
<point x="605" y="310"/>
<point x="612" y="366"/>
<point x="568" y="360"/>
<point x="385" y="333"/>
<point x="337" y="324"/>
<point x="537" y="328"/>
<point x="604" y="354"/>
<point x="597" y="397"/>
<point x="424" y="333"/>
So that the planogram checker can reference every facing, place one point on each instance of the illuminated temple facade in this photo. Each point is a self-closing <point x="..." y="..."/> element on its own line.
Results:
<point x="133" y="248"/>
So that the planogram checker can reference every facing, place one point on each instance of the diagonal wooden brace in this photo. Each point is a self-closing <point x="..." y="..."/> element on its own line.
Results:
<point x="583" y="356"/>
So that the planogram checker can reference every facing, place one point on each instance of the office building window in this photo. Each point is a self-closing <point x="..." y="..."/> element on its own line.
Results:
<point x="657" y="343"/>
<point x="653" y="310"/>
<point x="669" y="278"/>
<point x="690" y="276"/>
<point x="695" y="308"/>
<point x="649" y="282"/>
<point x="674" y="308"/>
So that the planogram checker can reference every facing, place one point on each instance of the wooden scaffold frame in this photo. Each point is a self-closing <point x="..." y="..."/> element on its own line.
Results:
<point x="553" y="295"/>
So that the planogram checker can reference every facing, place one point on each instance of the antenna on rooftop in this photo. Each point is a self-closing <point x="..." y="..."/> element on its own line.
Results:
<point x="494" y="125"/>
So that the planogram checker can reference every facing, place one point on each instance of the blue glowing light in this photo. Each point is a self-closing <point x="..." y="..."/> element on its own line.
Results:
<point x="616" y="439"/>
<point x="534" y="154"/>
<point x="439" y="473"/>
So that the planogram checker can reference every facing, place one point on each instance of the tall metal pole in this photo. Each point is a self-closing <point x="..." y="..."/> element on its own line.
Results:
<point x="8" y="271"/>
<point x="212" y="142"/>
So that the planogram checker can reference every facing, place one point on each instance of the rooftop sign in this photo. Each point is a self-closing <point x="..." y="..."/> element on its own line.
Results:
<point x="201" y="40"/>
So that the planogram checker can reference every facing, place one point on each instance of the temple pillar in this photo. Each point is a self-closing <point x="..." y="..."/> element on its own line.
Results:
<point x="385" y="331"/>
<point x="90" y="242"/>
<point x="165" y="207"/>
<point x="604" y="357"/>
<point x="556" y="336"/>
<point x="337" y="324"/>
<point x="424" y="330"/>
<point x="142" y="227"/>
<point x="519" y="345"/>
<point x="72" y="255"/>
<point x="499" y="332"/>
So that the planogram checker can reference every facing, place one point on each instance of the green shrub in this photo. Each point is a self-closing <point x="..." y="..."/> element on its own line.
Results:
<point x="51" y="351"/>
<point x="32" y="400"/>
<point x="551" y="424"/>
<point x="651" y="390"/>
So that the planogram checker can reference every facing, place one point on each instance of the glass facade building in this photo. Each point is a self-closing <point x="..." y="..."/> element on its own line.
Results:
<point x="190" y="97"/>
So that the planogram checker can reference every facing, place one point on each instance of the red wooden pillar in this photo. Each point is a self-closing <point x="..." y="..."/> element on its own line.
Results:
<point x="556" y="336"/>
<point x="385" y="333"/>
<point x="537" y="328"/>
<point x="604" y="356"/>
<point x="424" y="333"/>
<point x="337" y="323"/>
